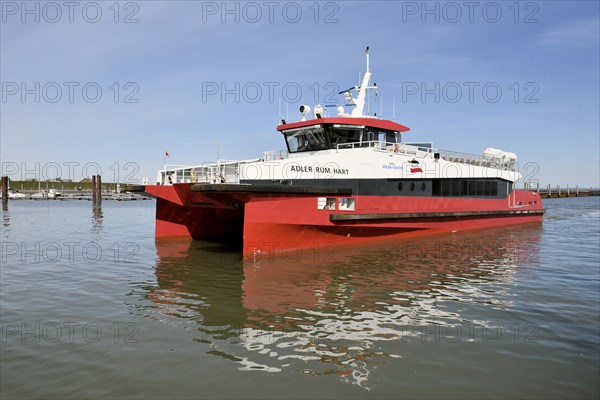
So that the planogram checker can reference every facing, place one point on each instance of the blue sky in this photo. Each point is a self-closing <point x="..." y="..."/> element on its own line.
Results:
<point x="523" y="77"/>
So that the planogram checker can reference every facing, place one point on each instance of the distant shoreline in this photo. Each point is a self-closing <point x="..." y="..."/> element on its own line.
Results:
<point x="36" y="186"/>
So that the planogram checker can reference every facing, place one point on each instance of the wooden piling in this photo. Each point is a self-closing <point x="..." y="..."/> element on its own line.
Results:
<point x="99" y="183"/>
<point x="4" y="191"/>
<point x="97" y="189"/>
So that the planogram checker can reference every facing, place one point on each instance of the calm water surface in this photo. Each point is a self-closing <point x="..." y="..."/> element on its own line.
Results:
<point x="92" y="307"/>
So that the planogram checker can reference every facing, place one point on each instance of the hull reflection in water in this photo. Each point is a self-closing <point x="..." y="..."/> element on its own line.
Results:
<point x="340" y="312"/>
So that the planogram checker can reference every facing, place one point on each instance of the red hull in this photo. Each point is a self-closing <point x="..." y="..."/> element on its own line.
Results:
<point x="284" y="223"/>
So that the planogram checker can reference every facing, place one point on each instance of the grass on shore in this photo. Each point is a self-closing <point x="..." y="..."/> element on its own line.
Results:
<point x="36" y="185"/>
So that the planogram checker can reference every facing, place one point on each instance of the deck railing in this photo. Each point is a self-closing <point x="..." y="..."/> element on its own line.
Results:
<point x="219" y="172"/>
<point x="401" y="148"/>
<point x="274" y="155"/>
<point x="417" y="150"/>
<point x="226" y="171"/>
<point x="503" y="163"/>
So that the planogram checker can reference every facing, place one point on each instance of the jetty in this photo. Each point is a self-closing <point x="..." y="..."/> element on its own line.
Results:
<point x="95" y="193"/>
<point x="556" y="192"/>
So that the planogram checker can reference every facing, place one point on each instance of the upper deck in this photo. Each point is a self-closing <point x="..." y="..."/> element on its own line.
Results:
<point x="348" y="137"/>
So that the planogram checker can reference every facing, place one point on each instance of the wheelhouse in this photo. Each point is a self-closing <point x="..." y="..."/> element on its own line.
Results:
<point x="338" y="133"/>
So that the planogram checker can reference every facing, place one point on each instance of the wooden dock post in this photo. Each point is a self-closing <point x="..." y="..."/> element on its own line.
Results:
<point x="577" y="190"/>
<point x="96" y="189"/>
<point x="568" y="191"/>
<point x="549" y="191"/>
<point x="93" y="188"/>
<point x="4" y="191"/>
<point x="558" y="190"/>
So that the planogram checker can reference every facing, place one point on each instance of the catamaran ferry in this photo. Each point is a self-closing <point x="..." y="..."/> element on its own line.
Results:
<point x="344" y="179"/>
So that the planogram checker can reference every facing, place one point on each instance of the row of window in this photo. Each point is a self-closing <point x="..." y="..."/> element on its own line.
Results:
<point x="457" y="187"/>
<point x="317" y="137"/>
<point x="412" y="186"/>
<point x="463" y="187"/>
<point x="329" y="203"/>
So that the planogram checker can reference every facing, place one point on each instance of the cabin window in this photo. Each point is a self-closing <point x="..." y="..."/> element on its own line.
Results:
<point x="310" y="138"/>
<point x="326" y="203"/>
<point x="341" y="135"/>
<point x="347" y="203"/>
<point x="390" y="137"/>
<point x="494" y="191"/>
<point x="463" y="187"/>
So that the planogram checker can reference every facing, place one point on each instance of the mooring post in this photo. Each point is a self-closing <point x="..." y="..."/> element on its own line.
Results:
<point x="97" y="183"/>
<point x="568" y="191"/>
<point x="558" y="190"/>
<point x="4" y="190"/>
<point x="93" y="188"/>
<point x="577" y="190"/>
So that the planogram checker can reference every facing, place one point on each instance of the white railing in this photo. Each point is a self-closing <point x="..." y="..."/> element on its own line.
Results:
<point x="423" y="151"/>
<point x="478" y="160"/>
<point x="219" y="172"/>
<point x="400" y="148"/>
<point x="227" y="171"/>
<point x="274" y="155"/>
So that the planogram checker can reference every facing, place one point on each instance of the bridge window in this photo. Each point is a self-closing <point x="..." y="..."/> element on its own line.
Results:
<point x="343" y="134"/>
<point x="310" y="138"/>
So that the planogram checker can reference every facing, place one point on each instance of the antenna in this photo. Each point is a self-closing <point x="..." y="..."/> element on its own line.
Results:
<point x="359" y="101"/>
<point x="381" y="107"/>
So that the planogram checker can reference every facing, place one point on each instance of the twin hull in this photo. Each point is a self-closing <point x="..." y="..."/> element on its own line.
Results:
<point x="282" y="219"/>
